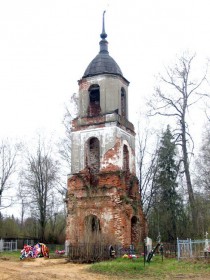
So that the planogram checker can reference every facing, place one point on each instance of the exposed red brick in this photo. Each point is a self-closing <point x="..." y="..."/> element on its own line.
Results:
<point x="108" y="198"/>
<point x="94" y="109"/>
<point x="84" y="84"/>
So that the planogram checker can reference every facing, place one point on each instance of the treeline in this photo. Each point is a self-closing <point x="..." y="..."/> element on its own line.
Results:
<point x="31" y="179"/>
<point x="13" y="228"/>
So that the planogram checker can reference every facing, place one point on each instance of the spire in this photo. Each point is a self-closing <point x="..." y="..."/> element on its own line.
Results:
<point x="103" y="43"/>
<point x="103" y="34"/>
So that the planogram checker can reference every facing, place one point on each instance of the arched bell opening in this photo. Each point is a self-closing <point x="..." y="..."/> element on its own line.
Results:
<point x="123" y="103"/>
<point x="94" y="108"/>
<point x="125" y="158"/>
<point x="93" y="155"/>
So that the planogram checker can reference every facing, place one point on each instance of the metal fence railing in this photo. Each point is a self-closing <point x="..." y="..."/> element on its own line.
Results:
<point x="192" y="248"/>
<point x="89" y="252"/>
<point x="8" y="246"/>
<point x="170" y="250"/>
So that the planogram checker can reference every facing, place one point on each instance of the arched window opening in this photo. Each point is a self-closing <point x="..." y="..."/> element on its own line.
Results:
<point x="94" y="155"/>
<point x="134" y="229"/>
<point x="94" y="108"/>
<point x="92" y="224"/>
<point x="125" y="158"/>
<point x="123" y="103"/>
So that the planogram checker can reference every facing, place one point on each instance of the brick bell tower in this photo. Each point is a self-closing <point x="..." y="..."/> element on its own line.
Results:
<point x="103" y="194"/>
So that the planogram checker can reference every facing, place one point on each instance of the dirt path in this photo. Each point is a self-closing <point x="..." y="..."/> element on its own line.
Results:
<point x="46" y="269"/>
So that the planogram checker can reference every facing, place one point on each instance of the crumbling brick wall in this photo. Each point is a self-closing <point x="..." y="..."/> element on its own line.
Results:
<point x="119" y="212"/>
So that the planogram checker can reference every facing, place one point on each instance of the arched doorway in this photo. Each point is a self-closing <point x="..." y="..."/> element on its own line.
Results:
<point x="92" y="228"/>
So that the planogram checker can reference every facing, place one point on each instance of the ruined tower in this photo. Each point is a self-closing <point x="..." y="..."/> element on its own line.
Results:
<point x="103" y="194"/>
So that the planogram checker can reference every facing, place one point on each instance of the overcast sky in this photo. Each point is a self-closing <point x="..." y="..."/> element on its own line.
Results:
<point x="46" y="45"/>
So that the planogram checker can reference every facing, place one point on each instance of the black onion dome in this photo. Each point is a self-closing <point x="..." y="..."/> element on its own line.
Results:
<point x="103" y="63"/>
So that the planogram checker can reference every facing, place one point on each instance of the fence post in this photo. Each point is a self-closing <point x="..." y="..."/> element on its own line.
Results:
<point x="1" y="245"/>
<point x="178" y="249"/>
<point x="190" y="248"/>
<point x="67" y="245"/>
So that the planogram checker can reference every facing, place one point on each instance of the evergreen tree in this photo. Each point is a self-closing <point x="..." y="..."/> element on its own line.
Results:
<point x="167" y="207"/>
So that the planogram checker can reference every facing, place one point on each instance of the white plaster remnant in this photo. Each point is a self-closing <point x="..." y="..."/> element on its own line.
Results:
<point x="107" y="216"/>
<point x="107" y="137"/>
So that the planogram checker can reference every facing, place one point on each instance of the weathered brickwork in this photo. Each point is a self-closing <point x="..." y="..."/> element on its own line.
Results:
<point x="114" y="201"/>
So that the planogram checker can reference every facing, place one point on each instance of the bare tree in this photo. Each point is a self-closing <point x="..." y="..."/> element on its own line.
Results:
<point x="64" y="144"/>
<point x="179" y="91"/>
<point x="202" y="178"/>
<point x="22" y="197"/>
<point x="8" y="155"/>
<point x="207" y="111"/>
<point x="202" y="181"/>
<point x="146" y="159"/>
<point x="40" y="178"/>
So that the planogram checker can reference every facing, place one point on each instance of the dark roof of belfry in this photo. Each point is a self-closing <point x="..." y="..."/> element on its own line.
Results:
<point x="103" y="63"/>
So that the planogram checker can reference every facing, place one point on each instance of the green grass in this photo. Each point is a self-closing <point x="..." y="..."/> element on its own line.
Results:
<point x="118" y="266"/>
<point x="156" y="269"/>
<point x="14" y="255"/>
